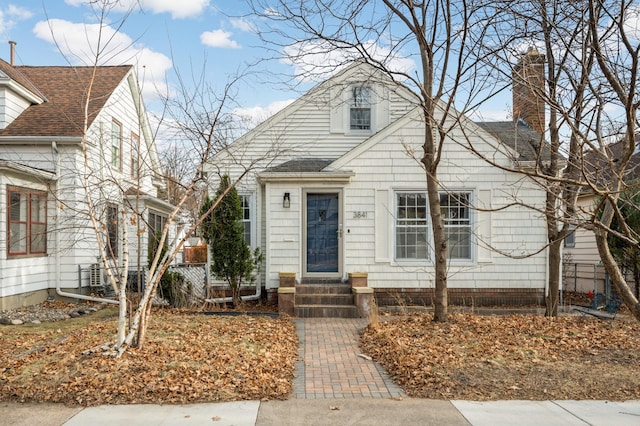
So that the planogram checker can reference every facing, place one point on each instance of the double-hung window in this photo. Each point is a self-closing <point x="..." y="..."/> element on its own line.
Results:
<point x="157" y="221"/>
<point x="457" y="223"/>
<point x="412" y="226"/>
<point x="112" y="230"/>
<point x="116" y="145"/>
<point x="360" y="108"/>
<point x="27" y="222"/>
<point x="413" y="231"/>
<point x="570" y="239"/>
<point x="135" y="156"/>
<point x="246" y="217"/>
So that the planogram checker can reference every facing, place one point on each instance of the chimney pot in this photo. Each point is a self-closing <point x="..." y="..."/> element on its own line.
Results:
<point x="12" y="52"/>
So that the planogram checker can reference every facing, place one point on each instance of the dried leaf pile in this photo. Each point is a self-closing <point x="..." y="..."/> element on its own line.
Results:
<point x="509" y="357"/>
<point x="187" y="358"/>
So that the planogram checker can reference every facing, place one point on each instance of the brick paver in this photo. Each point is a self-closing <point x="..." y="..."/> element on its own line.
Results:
<point x="329" y="365"/>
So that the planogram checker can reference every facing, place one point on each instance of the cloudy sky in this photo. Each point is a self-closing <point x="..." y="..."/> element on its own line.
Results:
<point x="161" y="37"/>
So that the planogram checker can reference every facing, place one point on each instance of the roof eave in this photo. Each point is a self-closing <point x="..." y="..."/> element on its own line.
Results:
<point x="153" y="202"/>
<point x="333" y="177"/>
<point x="6" y="165"/>
<point x="41" y="139"/>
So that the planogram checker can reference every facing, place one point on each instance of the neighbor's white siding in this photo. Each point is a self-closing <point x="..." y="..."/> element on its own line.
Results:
<point x="11" y="106"/>
<point x="68" y="221"/>
<point x="20" y="274"/>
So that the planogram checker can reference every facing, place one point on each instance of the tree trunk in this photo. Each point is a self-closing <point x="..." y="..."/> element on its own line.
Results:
<point x="554" y="265"/>
<point x="615" y="274"/>
<point x="439" y="250"/>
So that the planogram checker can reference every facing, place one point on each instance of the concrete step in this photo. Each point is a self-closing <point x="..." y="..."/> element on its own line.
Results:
<point x="317" y="280"/>
<point x="323" y="289"/>
<point x="324" y="299"/>
<point x="326" y="311"/>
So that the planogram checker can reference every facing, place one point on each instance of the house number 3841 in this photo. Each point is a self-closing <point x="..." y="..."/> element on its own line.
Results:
<point x="359" y="215"/>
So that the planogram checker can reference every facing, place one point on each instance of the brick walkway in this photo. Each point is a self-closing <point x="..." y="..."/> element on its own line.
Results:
<point x="329" y="365"/>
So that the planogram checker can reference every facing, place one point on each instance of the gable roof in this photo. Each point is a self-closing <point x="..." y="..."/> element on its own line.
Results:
<point x="599" y="165"/>
<point x="517" y="136"/>
<point x="64" y="93"/>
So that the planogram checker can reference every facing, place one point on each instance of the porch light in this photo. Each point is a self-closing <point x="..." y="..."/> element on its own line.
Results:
<point x="286" y="200"/>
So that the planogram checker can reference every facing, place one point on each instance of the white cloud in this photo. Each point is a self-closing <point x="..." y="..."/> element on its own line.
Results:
<point x="490" y="115"/>
<point x="78" y="43"/>
<point x="11" y="15"/>
<point x="242" y="25"/>
<point x="317" y="61"/>
<point x="18" y="12"/>
<point x="218" y="38"/>
<point x="257" y="114"/>
<point x="178" y="9"/>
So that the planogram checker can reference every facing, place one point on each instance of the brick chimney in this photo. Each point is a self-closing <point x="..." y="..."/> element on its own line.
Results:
<point x="528" y="80"/>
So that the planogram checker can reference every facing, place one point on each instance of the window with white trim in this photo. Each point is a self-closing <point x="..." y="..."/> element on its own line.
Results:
<point x="135" y="156"/>
<point x="570" y="239"/>
<point x="360" y="108"/>
<point x="27" y="222"/>
<point x="116" y="144"/>
<point x="157" y="222"/>
<point x="457" y="223"/>
<point x="412" y="225"/>
<point x="112" y="230"/>
<point x="246" y="217"/>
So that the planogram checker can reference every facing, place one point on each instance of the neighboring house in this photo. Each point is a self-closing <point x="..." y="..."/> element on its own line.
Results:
<point x="336" y="194"/>
<point x="47" y="187"/>
<point x="583" y="270"/>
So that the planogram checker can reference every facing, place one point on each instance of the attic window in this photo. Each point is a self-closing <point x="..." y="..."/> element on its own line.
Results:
<point x="360" y="111"/>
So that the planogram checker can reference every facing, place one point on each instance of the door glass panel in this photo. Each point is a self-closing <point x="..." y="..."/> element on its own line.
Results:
<point x="322" y="233"/>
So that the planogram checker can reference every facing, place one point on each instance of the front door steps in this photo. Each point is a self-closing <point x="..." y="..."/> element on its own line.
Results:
<point x="327" y="300"/>
<point x="324" y="298"/>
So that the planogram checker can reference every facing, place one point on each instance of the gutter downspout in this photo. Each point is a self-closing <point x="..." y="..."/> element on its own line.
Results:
<point x="59" y="292"/>
<point x="255" y="296"/>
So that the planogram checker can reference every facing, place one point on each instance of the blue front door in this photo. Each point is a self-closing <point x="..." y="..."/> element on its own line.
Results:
<point x="323" y="232"/>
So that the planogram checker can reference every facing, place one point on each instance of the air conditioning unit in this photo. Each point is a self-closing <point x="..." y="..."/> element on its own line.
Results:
<point x="95" y="275"/>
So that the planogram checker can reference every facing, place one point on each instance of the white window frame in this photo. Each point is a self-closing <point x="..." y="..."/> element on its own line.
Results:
<point x="468" y="220"/>
<point x="116" y="145"/>
<point x="425" y="225"/>
<point x="429" y="239"/>
<point x="250" y="204"/>
<point x="350" y="103"/>
<point x="570" y="239"/>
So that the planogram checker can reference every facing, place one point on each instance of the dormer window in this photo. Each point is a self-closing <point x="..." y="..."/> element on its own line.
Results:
<point x="360" y="111"/>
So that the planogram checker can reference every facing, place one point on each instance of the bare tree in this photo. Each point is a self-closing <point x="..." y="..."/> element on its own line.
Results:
<point x="591" y="57"/>
<point x="321" y="36"/>
<point x="112" y="201"/>
<point x="616" y="42"/>
<point x="543" y="49"/>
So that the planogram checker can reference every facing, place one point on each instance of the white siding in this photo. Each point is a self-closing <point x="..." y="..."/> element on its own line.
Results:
<point x="68" y="221"/>
<point x="11" y="106"/>
<point x="311" y="128"/>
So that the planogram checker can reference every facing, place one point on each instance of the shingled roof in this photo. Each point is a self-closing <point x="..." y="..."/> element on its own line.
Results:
<point x="65" y="91"/>
<point x="518" y="136"/>
<point x="301" y="165"/>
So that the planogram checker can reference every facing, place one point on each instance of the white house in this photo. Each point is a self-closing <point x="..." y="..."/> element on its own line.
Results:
<point x="48" y="245"/>
<point x="335" y="195"/>
<point x="583" y="270"/>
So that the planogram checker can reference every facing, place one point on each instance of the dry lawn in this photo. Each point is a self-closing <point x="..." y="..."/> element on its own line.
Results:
<point x="509" y="357"/>
<point x="187" y="358"/>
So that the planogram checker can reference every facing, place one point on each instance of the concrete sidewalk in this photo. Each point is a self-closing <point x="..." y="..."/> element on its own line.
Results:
<point x="347" y="411"/>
